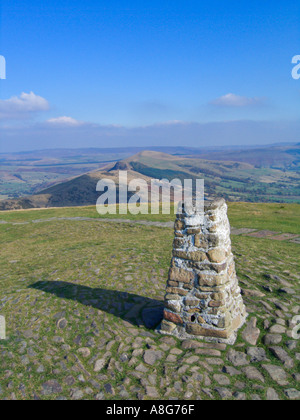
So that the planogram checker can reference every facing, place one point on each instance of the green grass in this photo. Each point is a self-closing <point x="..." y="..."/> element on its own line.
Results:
<point x="92" y="273"/>
<point x="276" y="217"/>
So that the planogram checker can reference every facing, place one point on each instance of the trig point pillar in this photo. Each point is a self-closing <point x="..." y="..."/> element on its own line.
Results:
<point x="203" y="299"/>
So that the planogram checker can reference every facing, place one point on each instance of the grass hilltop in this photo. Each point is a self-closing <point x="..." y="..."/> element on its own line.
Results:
<point x="82" y="296"/>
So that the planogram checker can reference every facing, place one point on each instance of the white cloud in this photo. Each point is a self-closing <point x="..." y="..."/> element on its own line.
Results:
<point x="65" y="121"/>
<point x="170" y="123"/>
<point x="232" y="100"/>
<point x="20" y="107"/>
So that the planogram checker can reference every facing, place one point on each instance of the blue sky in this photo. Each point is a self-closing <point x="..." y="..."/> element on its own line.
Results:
<point x="76" y="70"/>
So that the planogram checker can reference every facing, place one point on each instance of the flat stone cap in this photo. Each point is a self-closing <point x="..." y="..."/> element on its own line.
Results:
<point x="214" y="204"/>
<point x="209" y="205"/>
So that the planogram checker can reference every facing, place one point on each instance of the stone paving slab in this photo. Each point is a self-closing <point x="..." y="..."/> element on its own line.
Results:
<point x="93" y="219"/>
<point x="284" y="237"/>
<point x="262" y="234"/>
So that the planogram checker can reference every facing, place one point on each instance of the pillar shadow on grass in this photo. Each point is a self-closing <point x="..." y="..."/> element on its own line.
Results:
<point x="137" y="310"/>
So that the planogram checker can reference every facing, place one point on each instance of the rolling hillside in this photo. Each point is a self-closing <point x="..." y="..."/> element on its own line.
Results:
<point x="235" y="181"/>
<point x="283" y="157"/>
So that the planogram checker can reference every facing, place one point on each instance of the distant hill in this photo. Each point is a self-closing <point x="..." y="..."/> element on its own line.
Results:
<point x="275" y="157"/>
<point x="262" y="156"/>
<point x="233" y="180"/>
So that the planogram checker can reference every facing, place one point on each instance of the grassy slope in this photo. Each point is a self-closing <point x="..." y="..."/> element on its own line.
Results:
<point x="234" y="181"/>
<point x="278" y="217"/>
<point x="95" y="259"/>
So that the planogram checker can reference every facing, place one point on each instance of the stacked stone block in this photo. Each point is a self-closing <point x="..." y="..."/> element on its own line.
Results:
<point x="203" y="298"/>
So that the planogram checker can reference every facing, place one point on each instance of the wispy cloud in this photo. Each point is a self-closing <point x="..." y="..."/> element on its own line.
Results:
<point x="65" y="121"/>
<point x="242" y="132"/>
<point x="171" y="122"/>
<point x="232" y="100"/>
<point x="23" y="106"/>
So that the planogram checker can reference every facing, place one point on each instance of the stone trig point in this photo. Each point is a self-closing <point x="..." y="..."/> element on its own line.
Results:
<point x="203" y="299"/>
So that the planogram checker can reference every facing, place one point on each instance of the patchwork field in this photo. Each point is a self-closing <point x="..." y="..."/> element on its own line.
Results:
<point x="82" y="298"/>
